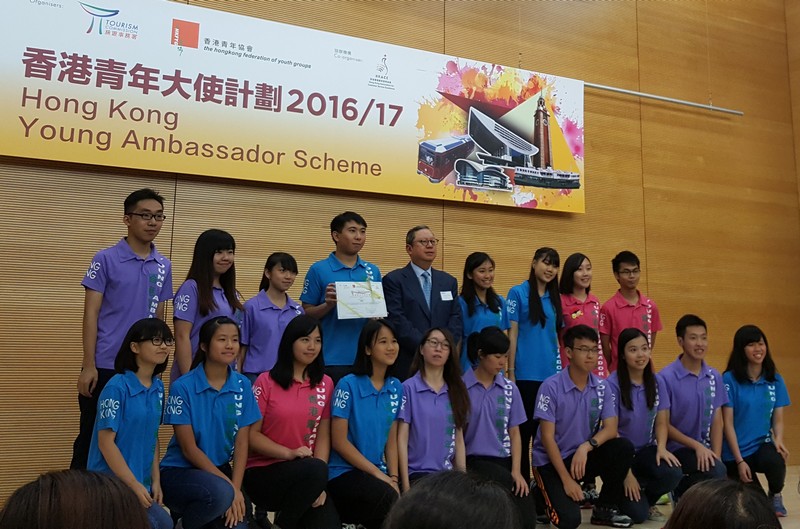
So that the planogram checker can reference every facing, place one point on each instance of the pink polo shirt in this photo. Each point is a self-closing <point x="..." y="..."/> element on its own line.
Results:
<point x="585" y="312"/>
<point x="291" y="416"/>
<point x="617" y="314"/>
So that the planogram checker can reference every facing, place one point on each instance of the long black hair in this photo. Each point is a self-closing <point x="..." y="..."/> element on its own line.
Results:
<point x="737" y="363"/>
<point x="456" y="390"/>
<point x="535" y="308"/>
<point x="362" y="365"/>
<point x="473" y="261"/>
<point x="571" y="265"/>
<point x="624" y="376"/>
<point x="283" y="370"/>
<point x="202" y="270"/>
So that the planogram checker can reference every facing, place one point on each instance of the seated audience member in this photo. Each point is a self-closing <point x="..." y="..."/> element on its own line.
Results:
<point x="454" y="500"/>
<point x="723" y="504"/>
<point x="694" y="388"/>
<point x="753" y="416"/>
<point x="578" y="438"/>
<point x="643" y="412"/>
<point x="492" y="437"/>
<point x="74" y="499"/>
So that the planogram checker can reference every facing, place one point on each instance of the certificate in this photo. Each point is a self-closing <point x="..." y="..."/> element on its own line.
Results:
<point x="360" y="299"/>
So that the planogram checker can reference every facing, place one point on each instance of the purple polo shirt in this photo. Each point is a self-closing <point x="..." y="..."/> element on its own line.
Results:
<point x="262" y="329"/>
<point x="638" y="425"/>
<point x="185" y="307"/>
<point x="132" y="288"/>
<point x="432" y="431"/>
<point x="492" y="412"/>
<point x="694" y="399"/>
<point x="576" y="414"/>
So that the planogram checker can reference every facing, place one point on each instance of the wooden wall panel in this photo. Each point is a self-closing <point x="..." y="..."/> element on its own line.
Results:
<point x="710" y="202"/>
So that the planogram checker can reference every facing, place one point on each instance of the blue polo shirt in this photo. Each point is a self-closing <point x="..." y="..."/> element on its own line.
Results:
<point x="576" y="413"/>
<point x="132" y="288"/>
<point x="538" y="355"/>
<point x="134" y="413"/>
<point x="369" y="413"/>
<point x="482" y="317"/>
<point x="262" y="329"/>
<point x="339" y="336"/>
<point x="215" y="416"/>
<point x="753" y="404"/>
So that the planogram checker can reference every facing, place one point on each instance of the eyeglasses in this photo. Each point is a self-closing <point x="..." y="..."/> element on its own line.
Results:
<point x="627" y="272"/>
<point x="159" y="217"/>
<point x="587" y="350"/>
<point x="158" y="340"/>
<point x="427" y="242"/>
<point x="436" y="343"/>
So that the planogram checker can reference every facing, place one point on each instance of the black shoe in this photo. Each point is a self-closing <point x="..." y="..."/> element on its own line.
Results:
<point x="542" y="519"/>
<point x="610" y="517"/>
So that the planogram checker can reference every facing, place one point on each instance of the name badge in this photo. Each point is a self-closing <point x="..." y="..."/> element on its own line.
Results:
<point x="446" y="295"/>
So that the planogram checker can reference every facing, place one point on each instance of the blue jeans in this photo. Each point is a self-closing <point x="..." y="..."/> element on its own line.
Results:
<point x="198" y="497"/>
<point x="159" y="518"/>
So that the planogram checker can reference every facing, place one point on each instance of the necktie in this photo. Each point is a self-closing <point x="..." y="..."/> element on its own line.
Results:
<point x="426" y="286"/>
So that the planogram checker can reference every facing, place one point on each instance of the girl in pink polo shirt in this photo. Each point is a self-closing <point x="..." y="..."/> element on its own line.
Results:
<point x="430" y="431"/>
<point x="287" y="470"/>
<point x="578" y="304"/>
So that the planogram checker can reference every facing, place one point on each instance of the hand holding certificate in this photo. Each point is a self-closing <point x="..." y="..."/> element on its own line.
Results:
<point x="360" y="299"/>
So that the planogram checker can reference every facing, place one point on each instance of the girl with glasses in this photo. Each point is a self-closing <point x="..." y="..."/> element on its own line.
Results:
<point x="430" y="431"/>
<point x="125" y="437"/>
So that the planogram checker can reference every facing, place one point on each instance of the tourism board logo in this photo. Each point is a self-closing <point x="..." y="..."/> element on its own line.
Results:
<point x="98" y="14"/>
<point x="185" y="33"/>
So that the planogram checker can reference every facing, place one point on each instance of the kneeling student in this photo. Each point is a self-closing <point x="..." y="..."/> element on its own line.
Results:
<point x="571" y="444"/>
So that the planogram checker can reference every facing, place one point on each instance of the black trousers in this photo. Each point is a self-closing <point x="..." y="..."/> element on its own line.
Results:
<point x="611" y="461"/>
<point x="528" y="389"/>
<point x="361" y="498"/>
<point x="766" y="460"/>
<point x="691" y="475"/>
<point x="289" y="488"/>
<point x="498" y="469"/>
<point x="654" y="479"/>
<point x="88" y="408"/>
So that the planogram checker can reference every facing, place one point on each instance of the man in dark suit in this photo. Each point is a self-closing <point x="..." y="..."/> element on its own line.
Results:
<point x="419" y="297"/>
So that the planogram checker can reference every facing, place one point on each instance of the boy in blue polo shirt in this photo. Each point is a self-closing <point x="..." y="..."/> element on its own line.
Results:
<point x="349" y="233"/>
<point x="696" y="394"/>
<point x="571" y="444"/>
<point x="125" y="283"/>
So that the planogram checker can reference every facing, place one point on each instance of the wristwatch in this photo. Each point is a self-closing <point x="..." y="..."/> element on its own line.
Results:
<point x="593" y="443"/>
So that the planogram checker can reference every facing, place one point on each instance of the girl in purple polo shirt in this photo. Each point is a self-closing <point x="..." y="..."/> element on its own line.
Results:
<point x="267" y="314"/>
<point x="578" y="304"/>
<point x="430" y="431"/>
<point x="643" y="412"/>
<point x="362" y="472"/>
<point x="211" y="409"/>
<point x="125" y="440"/>
<point x="753" y="416"/>
<point x="209" y="291"/>
<point x="492" y="436"/>
<point x="481" y="306"/>
<point x="287" y="470"/>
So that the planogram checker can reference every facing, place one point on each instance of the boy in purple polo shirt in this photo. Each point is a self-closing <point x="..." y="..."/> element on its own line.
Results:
<point x="349" y="233"/>
<point x="696" y="393"/>
<point x="124" y="284"/>
<point x="627" y="308"/>
<point x="571" y="444"/>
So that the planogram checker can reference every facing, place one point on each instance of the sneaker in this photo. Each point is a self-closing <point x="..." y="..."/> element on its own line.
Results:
<point x="590" y="496"/>
<point x="654" y="515"/>
<point x="664" y="500"/>
<point x="542" y="520"/>
<point x="777" y="504"/>
<point x="610" y="517"/>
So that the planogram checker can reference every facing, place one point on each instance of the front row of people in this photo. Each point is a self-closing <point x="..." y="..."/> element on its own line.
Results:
<point x="320" y="456"/>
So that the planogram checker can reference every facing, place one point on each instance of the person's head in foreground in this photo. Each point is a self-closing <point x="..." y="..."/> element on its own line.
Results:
<point x="723" y="504"/>
<point x="453" y="500"/>
<point x="74" y="499"/>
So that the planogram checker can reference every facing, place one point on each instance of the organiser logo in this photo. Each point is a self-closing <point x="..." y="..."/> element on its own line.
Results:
<point x="98" y="14"/>
<point x="185" y="34"/>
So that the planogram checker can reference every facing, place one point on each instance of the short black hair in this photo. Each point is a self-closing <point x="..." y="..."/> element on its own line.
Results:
<point x="489" y="341"/>
<point x="207" y="333"/>
<point x="688" y="320"/>
<point x="139" y="195"/>
<point x="624" y="257"/>
<point x="339" y="221"/>
<point x="142" y="330"/>
<point x="287" y="261"/>
<point x="580" y="331"/>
